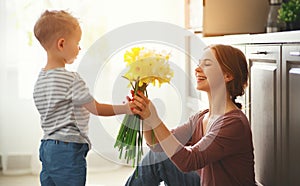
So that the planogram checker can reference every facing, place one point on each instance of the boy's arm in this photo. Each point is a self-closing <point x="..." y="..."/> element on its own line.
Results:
<point x="101" y="109"/>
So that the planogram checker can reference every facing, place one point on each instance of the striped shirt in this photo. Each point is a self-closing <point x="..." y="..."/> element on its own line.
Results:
<point x="59" y="96"/>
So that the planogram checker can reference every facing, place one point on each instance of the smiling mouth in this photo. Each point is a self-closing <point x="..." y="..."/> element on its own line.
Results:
<point x="201" y="77"/>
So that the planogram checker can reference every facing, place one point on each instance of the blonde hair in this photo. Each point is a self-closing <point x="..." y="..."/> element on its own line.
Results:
<point x="52" y="25"/>
<point x="233" y="62"/>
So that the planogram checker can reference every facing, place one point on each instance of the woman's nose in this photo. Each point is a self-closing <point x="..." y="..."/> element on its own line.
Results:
<point x="198" y="69"/>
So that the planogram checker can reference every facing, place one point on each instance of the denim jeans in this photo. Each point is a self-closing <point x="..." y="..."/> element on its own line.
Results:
<point x="63" y="164"/>
<point x="157" y="167"/>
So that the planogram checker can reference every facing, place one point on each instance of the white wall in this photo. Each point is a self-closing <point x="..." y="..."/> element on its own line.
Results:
<point x="21" y="56"/>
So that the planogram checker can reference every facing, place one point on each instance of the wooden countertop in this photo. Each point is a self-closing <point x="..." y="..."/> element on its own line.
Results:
<point x="265" y="38"/>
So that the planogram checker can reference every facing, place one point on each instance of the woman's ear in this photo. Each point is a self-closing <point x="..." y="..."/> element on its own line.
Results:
<point x="228" y="77"/>
<point x="60" y="44"/>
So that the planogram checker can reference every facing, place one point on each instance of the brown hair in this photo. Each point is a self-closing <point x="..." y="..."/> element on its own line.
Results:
<point x="233" y="62"/>
<point x="52" y="25"/>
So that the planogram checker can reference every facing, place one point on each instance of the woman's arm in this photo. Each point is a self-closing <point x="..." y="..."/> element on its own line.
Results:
<point x="149" y="136"/>
<point x="184" y="133"/>
<point x="167" y="140"/>
<point x="226" y="137"/>
<point x="163" y="136"/>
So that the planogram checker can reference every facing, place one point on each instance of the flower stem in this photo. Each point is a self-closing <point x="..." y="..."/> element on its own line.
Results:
<point x="130" y="137"/>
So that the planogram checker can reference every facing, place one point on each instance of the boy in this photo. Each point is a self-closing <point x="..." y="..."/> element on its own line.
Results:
<point x="64" y="103"/>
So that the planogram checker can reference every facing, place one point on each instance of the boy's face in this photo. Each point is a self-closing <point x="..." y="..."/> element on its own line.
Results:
<point x="71" y="46"/>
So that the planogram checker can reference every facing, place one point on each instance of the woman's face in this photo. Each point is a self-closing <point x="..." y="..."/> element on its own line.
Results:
<point x="208" y="73"/>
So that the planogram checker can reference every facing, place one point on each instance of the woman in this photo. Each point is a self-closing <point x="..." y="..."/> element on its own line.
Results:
<point x="216" y="143"/>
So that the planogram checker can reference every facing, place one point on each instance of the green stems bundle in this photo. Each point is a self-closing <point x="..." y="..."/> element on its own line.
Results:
<point x="130" y="139"/>
<point x="130" y="136"/>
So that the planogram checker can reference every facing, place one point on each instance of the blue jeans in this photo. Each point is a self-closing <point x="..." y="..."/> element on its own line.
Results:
<point x="63" y="164"/>
<point x="157" y="167"/>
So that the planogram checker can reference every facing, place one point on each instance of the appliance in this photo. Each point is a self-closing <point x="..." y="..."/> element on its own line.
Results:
<point x="272" y="24"/>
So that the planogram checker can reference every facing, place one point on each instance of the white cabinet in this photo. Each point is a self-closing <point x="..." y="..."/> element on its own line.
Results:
<point x="291" y="113"/>
<point x="264" y="99"/>
<point x="273" y="95"/>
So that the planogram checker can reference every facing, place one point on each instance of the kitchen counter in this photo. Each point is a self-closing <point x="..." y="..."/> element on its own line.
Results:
<point x="276" y="37"/>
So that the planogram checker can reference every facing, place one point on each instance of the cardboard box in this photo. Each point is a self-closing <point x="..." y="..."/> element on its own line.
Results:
<point x="222" y="17"/>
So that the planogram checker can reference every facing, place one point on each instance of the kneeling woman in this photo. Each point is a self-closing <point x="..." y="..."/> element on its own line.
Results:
<point x="214" y="145"/>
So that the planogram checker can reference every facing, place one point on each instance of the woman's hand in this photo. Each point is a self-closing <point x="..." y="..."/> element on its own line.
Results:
<point x="144" y="107"/>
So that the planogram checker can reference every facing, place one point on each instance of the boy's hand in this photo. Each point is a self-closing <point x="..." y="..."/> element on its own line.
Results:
<point x="128" y="105"/>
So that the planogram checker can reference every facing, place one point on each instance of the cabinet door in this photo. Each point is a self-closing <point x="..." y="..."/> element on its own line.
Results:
<point x="291" y="110"/>
<point x="264" y="108"/>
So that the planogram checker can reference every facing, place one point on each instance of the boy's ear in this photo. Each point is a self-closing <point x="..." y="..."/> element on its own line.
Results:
<point x="60" y="43"/>
<point x="228" y="77"/>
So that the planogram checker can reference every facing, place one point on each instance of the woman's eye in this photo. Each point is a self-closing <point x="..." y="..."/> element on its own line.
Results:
<point x="207" y="63"/>
<point x="204" y="63"/>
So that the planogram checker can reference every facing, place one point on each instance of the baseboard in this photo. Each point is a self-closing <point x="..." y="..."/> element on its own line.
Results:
<point x="0" y="162"/>
<point x="18" y="164"/>
<point x="15" y="164"/>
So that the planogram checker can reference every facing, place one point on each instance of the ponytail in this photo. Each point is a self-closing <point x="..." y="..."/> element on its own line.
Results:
<point x="239" y="105"/>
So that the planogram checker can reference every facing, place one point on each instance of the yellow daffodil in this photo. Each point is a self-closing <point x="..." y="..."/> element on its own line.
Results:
<point x="132" y="56"/>
<point x="147" y="66"/>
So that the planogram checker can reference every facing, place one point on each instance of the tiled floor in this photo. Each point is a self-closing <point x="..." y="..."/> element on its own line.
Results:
<point x="116" y="177"/>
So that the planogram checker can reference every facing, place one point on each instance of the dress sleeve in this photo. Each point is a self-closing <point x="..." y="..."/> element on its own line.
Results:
<point x="225" y="137"/>
<point x="80" y="92"/>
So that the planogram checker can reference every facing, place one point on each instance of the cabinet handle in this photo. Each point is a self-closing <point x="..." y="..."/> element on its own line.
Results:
<point x="294" y="53"/>
<point x="260" y="52"/>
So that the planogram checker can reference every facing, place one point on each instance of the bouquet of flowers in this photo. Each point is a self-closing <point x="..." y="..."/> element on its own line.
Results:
<point x="144" y="67"/>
